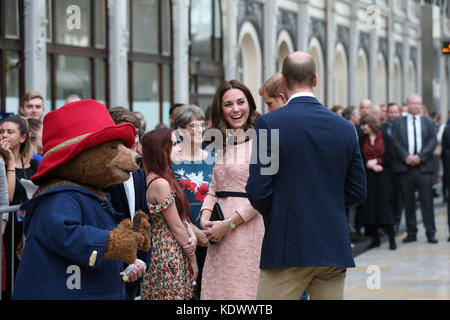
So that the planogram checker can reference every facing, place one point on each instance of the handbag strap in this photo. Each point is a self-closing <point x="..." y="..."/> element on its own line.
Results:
<point x="226" y="194"/>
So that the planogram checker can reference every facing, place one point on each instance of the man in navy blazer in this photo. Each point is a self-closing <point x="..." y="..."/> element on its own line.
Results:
<point x="306" y="242"/>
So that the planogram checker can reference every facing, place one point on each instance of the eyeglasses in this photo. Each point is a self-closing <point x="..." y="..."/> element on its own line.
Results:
<point x="200" y="125"/>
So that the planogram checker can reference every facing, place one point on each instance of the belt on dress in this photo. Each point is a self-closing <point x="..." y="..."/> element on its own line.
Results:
<point x="226" y="194"/>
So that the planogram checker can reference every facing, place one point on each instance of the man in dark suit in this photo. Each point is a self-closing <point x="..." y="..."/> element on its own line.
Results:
<point x="446" y="166"/>
<point x="127" y="198"/>
<point x="415" y="140"/>
<point x="320" y="171"/>
<point x="393" y="113"/>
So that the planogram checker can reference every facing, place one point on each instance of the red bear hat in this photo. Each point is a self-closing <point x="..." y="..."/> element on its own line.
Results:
<point x="74" y="128"/>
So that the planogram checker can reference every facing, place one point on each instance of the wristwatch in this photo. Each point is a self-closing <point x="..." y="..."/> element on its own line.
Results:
<point x="231" y="223"/>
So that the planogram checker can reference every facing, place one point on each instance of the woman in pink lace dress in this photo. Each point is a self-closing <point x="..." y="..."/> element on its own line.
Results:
<point x="231" y="270"/>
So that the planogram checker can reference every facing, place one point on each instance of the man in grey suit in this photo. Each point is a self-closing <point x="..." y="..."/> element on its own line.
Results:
<point x="415" y="138"/>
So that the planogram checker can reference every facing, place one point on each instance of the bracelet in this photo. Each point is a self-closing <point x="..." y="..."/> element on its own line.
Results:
<point x="14" y="170"/>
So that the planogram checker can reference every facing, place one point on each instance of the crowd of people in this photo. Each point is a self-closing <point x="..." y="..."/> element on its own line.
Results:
<point x="284" y="235"/>
<point x="404" y="147"/>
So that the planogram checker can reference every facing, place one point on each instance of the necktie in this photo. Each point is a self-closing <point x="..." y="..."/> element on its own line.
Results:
<point x="415" y="139"/>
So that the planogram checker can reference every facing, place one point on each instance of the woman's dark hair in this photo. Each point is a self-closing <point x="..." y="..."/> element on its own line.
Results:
<point x="25" y="150"/>
<point x="156" y="150"/>
<point x="371" y="121"/>
<point x="218" y="119"/>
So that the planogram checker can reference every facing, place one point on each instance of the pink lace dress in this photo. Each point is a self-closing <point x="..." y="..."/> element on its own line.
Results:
<point x="231" y="270"/>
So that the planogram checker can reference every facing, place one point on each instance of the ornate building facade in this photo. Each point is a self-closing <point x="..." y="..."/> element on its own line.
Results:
<point x="148" y="54"/>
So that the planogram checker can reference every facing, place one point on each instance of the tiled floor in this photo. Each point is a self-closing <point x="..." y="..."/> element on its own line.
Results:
<point x="416" y="270"/>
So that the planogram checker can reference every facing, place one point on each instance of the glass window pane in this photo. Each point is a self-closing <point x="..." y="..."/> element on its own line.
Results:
<point x="12" y="82"/>
<point x="146" y="92"/>
<point x="73" y="76"/>
<point x="145" y="26"/>
<point x="73" y="22"/>
<point x="48" y="12"/>
<point x="208" y="85"/>
<point x="166" y="93"/>
<point x="12" y="21"/>
<point x="166" y="28"/>
<point x="204" y="103"/>
<point x="100" y="81"/>
<point x="201" y="29"/>
<point x="100" y="24"/>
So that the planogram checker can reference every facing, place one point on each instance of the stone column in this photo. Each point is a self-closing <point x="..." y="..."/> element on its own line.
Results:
<point x="270" y="40"/>
<point x="353" y="57"/>
<point x="303" y="25"/>
<point x="118" y="52"/>
<point x="231" y="47"/>
<point x="405" y="58"/>
<point x="373" y="66"/>
<point x="35" y="50"/>
<point x="391" y="52"/>
<point x="331" y="30"/>
<point x="180" y="9"/>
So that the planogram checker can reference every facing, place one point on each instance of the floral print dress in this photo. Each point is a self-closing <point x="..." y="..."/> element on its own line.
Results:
<point x="168" y="276"/>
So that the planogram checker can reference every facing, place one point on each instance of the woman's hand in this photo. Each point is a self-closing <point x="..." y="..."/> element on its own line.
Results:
<point x="201" y="239"/>
<point x="378" y="168"/>
<point x="205" y="214"/>
<point x="216" y="230"/>
<point x="6" y="152"/>
<point x="371" y="164"/>
<point x="193" y="268"/>
<point x="189" y="249"/>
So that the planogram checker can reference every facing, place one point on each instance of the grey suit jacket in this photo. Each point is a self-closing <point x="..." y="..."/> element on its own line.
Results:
<point x="400" y="136"/>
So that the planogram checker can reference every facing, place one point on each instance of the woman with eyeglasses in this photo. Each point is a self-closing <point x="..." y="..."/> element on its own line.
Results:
<point x="194" y="173"/>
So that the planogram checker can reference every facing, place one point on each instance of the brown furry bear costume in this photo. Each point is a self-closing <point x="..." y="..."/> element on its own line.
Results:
<point x="74" y="248"/>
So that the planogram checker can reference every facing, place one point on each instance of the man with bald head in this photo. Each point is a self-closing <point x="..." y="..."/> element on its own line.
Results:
<point x="365" y="107"/>
<point x="415" y="138"/>
<point x="306" y="243"/>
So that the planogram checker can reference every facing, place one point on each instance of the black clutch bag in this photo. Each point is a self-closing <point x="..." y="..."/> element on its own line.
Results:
<point x="216" y="215"/>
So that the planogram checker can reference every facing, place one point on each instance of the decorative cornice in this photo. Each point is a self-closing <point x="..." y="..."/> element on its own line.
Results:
<point x="288" y="20"/>
<point x="253" y="12"/>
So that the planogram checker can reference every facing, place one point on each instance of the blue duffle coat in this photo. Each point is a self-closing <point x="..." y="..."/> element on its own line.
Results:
<point x="63" y="227"/>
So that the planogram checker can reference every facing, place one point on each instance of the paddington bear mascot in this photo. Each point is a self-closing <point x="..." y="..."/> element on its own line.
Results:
<point x="74" y="248"/>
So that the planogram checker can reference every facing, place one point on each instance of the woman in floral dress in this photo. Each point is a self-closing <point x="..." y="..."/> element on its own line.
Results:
<point x="173" y="267"/>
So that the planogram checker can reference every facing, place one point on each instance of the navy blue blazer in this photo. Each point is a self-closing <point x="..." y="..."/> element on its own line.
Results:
<point x="303" y="204"/>
<point x="120" y="204"/>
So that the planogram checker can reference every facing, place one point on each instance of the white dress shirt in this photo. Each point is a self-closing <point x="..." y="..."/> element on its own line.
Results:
<point x="300" y="94"/>
<point x="409" y="122"/>
<point x="129" y="190"/>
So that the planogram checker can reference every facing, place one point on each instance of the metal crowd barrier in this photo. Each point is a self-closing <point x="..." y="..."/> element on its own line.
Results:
<point x="13" y="210"/>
